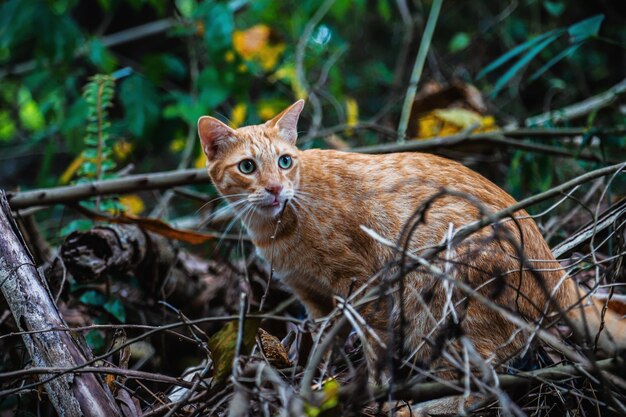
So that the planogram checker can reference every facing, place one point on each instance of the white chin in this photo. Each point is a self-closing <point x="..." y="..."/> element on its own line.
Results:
<point x="271" y="212"/>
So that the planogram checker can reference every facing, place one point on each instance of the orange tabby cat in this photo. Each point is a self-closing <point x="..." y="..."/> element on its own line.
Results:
<point x="321" y="248"/>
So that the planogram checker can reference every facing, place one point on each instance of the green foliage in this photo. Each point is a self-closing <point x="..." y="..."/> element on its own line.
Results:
<point x="111" y="305"/>
<point x="95" y="340"/>
<point x="210" y="61"/>
<point x="223" y="344"/>
<point x="527" y="51"/>
<point x="98" y="94"/>
<point x="78" y="225"/>
<point x="141" y="104"/>
<point x="459" y="41"/>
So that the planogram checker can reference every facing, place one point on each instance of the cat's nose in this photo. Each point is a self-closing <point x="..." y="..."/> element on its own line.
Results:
<point x="274" y="189"/>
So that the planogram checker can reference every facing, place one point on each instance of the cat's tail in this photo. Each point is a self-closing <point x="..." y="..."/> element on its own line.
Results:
<point x="600" y="320"/>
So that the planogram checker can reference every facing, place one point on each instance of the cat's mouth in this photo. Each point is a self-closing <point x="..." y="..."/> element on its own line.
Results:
<point x="272" y="207"/>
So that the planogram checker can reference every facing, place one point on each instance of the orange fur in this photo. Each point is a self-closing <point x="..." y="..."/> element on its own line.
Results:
<point x="320" y="250"/>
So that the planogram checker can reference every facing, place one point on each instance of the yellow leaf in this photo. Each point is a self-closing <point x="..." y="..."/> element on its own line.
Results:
<point x="268" y="57"/>
<point x="121" y="149"/>
<point x="248" y="43"/>
<point x="288" y="73"/>
<point x="352" y="112"/>
<point x="331" y="394"/>
<point x="200" y="161"/>
<point x="331" y="399"/>
<point x="177" y="145"/>
<point x="446" y="122"/>
<point x="133" y="204"/>
<point x="238" y="115"/>
<point x="71" y="169"/>
<point x="266" y="110"/>
<point x="460" y="118"/>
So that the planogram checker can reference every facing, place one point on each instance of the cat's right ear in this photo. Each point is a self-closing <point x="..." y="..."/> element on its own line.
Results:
<point x="214" y="136"/>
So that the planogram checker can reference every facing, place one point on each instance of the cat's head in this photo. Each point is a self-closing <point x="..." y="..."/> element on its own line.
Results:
<point x="257" y="166"/>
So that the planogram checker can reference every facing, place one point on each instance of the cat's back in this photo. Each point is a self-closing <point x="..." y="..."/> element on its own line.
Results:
<point x="406" y="176"/>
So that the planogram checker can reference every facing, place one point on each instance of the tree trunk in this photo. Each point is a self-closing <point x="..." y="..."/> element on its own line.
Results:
<point x="35" y="311"/>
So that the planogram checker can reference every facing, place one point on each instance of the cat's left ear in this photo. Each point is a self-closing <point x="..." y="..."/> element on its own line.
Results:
<point x="214" y="135"/>
<point x="287" y="122"/>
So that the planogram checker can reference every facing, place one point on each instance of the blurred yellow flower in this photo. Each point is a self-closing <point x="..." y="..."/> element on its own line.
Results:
<point x="266" y="110"/>
<point x="287" y="73"/>
<point x="268" y="57"/>
<point x="229" y="56"/>
<point x="200" y="161"/>
<point x="121" y="149"/>
<point x="352" y="112"/>
<point x="132" y="203"/>
<point x="253" y="44"/>
<point x="238" y="115"/>
<point x="177" y="145"/>
<point x="249" y="42"/>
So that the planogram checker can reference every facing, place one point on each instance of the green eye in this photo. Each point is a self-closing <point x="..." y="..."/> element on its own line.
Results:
<point x="285" y="162"/>
<point x="247" y="166"/>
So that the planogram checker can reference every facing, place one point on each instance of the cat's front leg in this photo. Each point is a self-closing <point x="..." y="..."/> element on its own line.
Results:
<point x="311" y="291"/>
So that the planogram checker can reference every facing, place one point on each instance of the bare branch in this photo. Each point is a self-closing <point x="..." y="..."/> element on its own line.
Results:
<point x="128" y="184"/>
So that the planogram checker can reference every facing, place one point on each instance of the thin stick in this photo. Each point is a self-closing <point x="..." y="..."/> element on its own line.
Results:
<point x="417" y="69"/>
<point x="434" y="390"/>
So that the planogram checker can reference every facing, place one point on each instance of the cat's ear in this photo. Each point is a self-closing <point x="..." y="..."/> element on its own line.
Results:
<point x="214" y="135"/>
<point x="287" y="122"/>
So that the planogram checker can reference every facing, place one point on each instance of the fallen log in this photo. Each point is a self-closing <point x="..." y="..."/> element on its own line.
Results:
<point x="35" y="311"/>
<point x="162" y="268"/>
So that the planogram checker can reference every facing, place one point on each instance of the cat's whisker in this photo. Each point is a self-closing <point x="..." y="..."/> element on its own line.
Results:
<point x="230" y="225"/>
<point x="221" y="197"/>
<point x="221" y="211"/>
<point x="311" y="215"/>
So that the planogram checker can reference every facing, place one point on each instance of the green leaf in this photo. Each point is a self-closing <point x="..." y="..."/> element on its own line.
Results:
<point x="159" y="66"/>
<point x="111" y="205"/>
<point x="554" y="8"/>
<point x="116" y="308"/>
<point x="76" y="225"/>
<point x="100" y="56"/>
<point x="186" y="7"/>
<point x="552" y="62"/>
<point x="553" y="34"/>
<point x="218" y="25"/>
<point x="585" y="29"/>
<point x="88" y="168"/>
<point x="141" y="104"/>
<point x="384" y="10"/>
<point x="521" y="63"/>
<point x="223" y="343"/>
<point x="93" y="298"/>
<point x="30" y="116"/>
<point x="340" y="8"/>
<point x="213" y="90"/>
<point x="459" y="41"/>
<point x="95" y="340"/>
<point x="7" y="127"/>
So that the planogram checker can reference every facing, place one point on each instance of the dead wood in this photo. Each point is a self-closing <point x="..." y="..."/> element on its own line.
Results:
<point x="161" y="267"/>
<point x="34" y="310"/>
